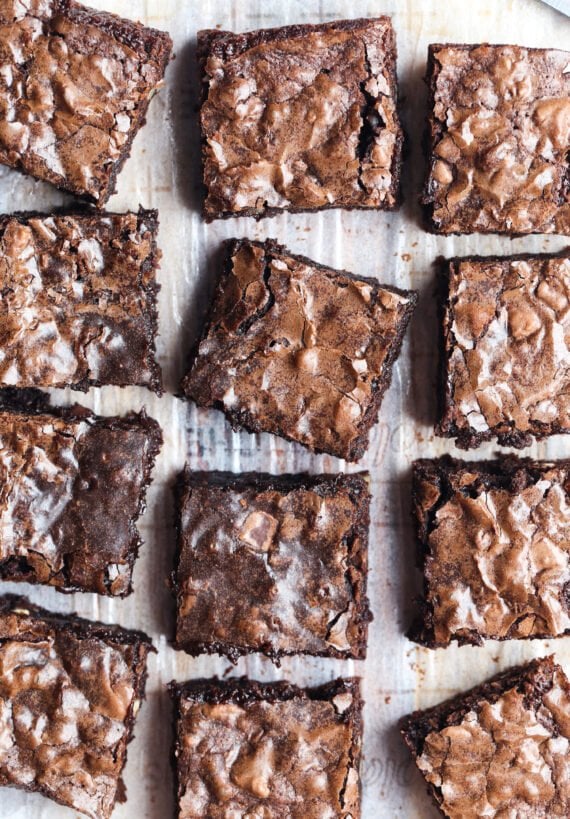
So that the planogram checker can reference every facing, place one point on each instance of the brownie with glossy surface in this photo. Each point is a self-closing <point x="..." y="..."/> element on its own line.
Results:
<point x="70" y="690"/>
<point x="505" y="368"/>
<point x="500" y="749"/>
<point x="498" y="139"/>
<point x="78" y="300"/>
<point x="72" y="485"/>
<point x="494" y="547"/>
<point x="298" y="349"/>
<point x="276" y="564"/>
<point x="300" y="118"/>
<point x="75" y="85"/>
<point x="279" y="750"/>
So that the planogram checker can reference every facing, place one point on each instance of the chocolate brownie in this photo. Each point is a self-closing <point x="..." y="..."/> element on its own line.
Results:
<point x="70" y="690"/>
<point x="297" y="349"/>
<point x="245" y="748"/>
<point x="272" y="564"/>
<point x="498" y="140"/>
<point x="494" y="546"/>
<point x="501" y="749"/>
<point x="300" y="118"/>
<point x="72" y="486"/>
<point x="78" y="300"/>
<point x="505" y="367"/>
<point x="75" y="85"/>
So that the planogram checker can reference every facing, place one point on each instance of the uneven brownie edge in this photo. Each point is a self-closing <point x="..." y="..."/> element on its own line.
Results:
<point x="446" y="426"/>
<point x="242" y="691"/>
<point x="82" y="629"/>
<point x="356" y="572"/>
<point x="507" y="472"/>
<point x="226" y="43"/>
<point x="432" y="134"/>
<point x="239" y="420"/>
<point x="149" y="320"/>
<point x="532" y="680"/>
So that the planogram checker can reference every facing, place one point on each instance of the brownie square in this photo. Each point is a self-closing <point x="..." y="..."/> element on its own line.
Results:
<point x="505" y="368"/>
<point x="494" y="546"/>
<point x="297" y="349"/>
<point x="74" y="90"/>
<point x="300" y="118"/>
<point x="500" y="749"/>
<point x="72" y="486"/>
<point x="78" y="300"/>
<point x="245" y="748"/>
<point x="498" y="140"/>
<point x="70" y="690"/>
<point x="275" y="564"/>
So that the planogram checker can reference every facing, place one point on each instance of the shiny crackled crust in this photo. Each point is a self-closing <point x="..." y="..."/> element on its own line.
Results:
<point x="297" y="349"/>
<point x="500" y="749"/>
<point x="505" y="363"/>
<point x="75" y="85"/>
<point x="78" y="300"/>
<point x="276" y="564"/>
<point x="300" y="118"/>
<point x="494" y="548"/>
<point x="70" y="690"/>
<point x="72" y="486"/>
<point x="498" y="140"/>
<point x="296" y="752"/>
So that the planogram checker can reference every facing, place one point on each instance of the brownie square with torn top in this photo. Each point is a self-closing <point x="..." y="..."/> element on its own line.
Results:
<point x="300" y="118"/>
<point x="70" y="690"/>
<point x="276" y="564"/>
<point x="72" y="486"/>
<point x="78" y="300"/>
<point x="298" y="349"/>
<point x="279" y="750"/>
<point x="497" y="142"/>
<point x="75" y="85"/>
<point x="505" y="367"/>
<point x="501" y="749"/>
<point x="494" y="548"/>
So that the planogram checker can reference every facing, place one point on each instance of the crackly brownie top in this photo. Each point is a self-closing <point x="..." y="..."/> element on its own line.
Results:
<point x="501" y="130"/>
<point x="73" y="84"/>
<point x="297" y="349"/>
<point x="507" y="359"/>
<point x="77" y="300"/>
<point x="257" y="755"/>
<point x="273" y="564"/>
<point x="497" y="560"/>
<point x="508" y="754"/>
<point x="66" y="697"/>
<point x="301" y="117"/>
<point x="71" y="490"/>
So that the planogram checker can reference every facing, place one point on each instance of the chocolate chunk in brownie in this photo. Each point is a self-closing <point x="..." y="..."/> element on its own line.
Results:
<point x="297" y="349"/>
<point x="498" y="140"/>
<point x="272" y="564"/>
<point x="300" y="118"/>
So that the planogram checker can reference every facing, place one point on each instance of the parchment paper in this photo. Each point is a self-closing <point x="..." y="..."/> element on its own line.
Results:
<point x="163" y="172"/>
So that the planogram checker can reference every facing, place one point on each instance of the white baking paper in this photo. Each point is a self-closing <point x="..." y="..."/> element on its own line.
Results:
<point x="163" y="172"/>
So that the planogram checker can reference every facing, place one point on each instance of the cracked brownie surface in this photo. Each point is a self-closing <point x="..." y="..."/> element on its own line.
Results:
<point x="72" y="486"/>
<point x="298" y="349"/>
<point x="300" y="118"/>
<point x="501" y="749"/>
<point x="78" y="300"/>
<point x="494" y="540"/>
<point x="70" y="690"/>
<point x="499" y="139"/>
<point x="272" y="564"/>
<point x="506" y="360"/>
<point x="270" y="749"/>
<point x="75" y="85"/>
